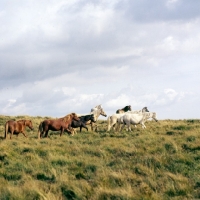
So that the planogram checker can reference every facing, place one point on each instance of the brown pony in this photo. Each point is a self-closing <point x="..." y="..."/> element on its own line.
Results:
<point x="61" y="124"/>
<point x="16" y="127"/>
<point x="123" y="110"/>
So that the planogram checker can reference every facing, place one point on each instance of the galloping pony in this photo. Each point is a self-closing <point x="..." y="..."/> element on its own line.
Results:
<point x="82" y="122"/>
<point x="59" y="124"/>
<point x="136" y="118"/>
<point x="112" y="120"/>
<point x="145" y="109"/>
<point x="96" y="111"/>
<point x="123" y="110"/>
<point x="16" y="127"/>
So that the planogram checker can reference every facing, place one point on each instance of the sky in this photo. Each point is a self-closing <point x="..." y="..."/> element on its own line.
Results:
<point x="65" y="56"/>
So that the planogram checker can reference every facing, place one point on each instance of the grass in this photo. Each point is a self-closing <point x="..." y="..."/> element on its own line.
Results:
<point x="160" y="162"/>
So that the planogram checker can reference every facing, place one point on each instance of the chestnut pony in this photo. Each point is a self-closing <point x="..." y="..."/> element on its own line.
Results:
<point x="60" y="124"/>
<point x="16" y="127"/>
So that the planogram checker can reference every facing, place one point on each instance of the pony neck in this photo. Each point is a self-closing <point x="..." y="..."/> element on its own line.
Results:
<point x="96" y="113"/>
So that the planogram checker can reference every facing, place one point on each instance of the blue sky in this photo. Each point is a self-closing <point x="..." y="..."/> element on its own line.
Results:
<point x="67" y="56"/>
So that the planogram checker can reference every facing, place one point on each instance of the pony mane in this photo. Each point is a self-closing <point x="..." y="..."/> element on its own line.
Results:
<point x="67" y="117"/>
<point x="22" y="121"/>
<point x="99" y="106"/>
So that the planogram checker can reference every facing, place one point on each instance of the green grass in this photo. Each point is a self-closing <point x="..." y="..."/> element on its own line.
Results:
<point x="160" y="162"/>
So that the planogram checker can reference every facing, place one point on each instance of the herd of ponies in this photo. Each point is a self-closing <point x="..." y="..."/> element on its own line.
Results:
<point x="70" y="122"/>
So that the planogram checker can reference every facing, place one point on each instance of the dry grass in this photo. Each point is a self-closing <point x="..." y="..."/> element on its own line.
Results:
<point x="160" y="162"/>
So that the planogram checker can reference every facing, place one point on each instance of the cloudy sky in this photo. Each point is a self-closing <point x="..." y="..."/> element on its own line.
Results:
<point x="65" y="56"/>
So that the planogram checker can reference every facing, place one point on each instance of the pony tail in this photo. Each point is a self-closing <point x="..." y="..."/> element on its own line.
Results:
<point x="108" y="120"/>
<point x="6" y="130"/>
<point x="40" y="129"/>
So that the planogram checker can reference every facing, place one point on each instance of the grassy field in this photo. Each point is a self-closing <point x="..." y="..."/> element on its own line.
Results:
<point x="160" y="162"/>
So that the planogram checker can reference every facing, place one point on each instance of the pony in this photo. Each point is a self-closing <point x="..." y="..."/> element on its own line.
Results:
<point x="145" y="109"/>
<point x="96" y="111"/>
<point x="16" y="127"/>
<point x="112" y="120"/>
<point x="82" y="122"/>
<point x="123" y="110"/>
<point x="136" y="118"/>
<point x="56" y="125"/>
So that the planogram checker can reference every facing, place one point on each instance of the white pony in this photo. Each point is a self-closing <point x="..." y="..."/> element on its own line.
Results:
<point x="112" y="120"/>
<point x="139" y="118"/>
<point x="96" y="111"/>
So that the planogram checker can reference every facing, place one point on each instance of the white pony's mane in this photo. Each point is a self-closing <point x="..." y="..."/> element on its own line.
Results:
<point x="93" y="111"/>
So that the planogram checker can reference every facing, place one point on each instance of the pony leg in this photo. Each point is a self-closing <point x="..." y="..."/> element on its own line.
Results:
<point x="61" y="132"/>
<point x="122" y="127"/>
<point x="11" y="134"/>
<point x="42" y="134"/>
<point x="96" y="128"/>
<point x="70" y="131"/>
<point x="113" y="126"/>
<point x="117" y="126"/>
<point x="83" y="126"/>
<point x="46" y="133"/>
<point x="74" y="130"/>
<point x="23" y="134"/>
<point x="92" y="126"/>
<point x="143" y="126"/>
<point x="129" y="128"/>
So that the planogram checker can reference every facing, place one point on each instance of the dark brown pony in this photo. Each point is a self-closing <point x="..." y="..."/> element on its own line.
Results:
<point x="16" y="127"/>
<point x="123" y="110"/>
<point x="59" y="124"/>
<point x="82" y="123"/>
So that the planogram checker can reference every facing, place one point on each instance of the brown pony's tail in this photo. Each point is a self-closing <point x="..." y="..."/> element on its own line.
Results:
<point x="6" y="130"/>
<point x="40" y="129"/>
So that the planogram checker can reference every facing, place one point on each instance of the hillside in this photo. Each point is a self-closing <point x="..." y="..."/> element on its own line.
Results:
<point x="160" y="162"/>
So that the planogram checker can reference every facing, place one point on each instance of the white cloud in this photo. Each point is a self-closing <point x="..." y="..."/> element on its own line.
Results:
<point x="61" y="56"/>
<point x="68" y="91"/>
<point x="120" y="100"/>
<point x="171" y="94"/>
<point x="172" y="3"/>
